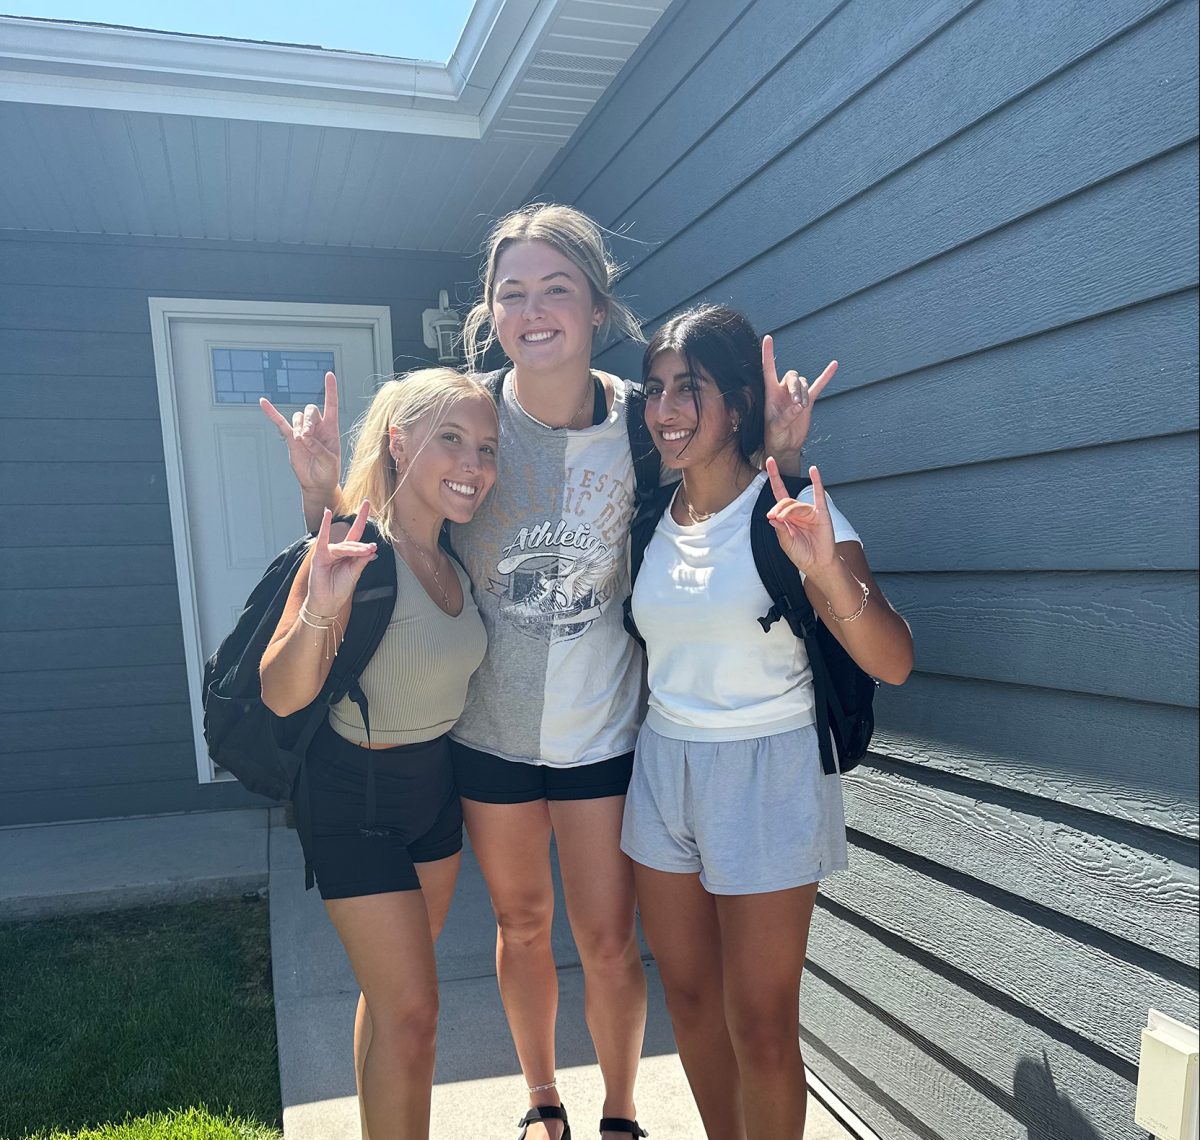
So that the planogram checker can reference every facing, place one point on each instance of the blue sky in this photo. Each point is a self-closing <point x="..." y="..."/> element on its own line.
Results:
<point x="416" y="29"/>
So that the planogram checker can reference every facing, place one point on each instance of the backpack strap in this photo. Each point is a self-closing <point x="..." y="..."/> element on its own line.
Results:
<point x="647" y="466"/>
<point x="492" y="381"/>
<point x="789" y="601"/>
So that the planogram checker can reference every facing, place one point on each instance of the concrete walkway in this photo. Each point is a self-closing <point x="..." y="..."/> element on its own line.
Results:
<point x="109" y="864"/>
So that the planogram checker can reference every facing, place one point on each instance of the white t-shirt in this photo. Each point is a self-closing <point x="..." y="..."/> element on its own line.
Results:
<point x="713" y="673"/>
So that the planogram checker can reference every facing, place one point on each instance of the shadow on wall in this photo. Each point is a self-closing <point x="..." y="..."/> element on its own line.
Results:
<point x="1058" y="1118"/>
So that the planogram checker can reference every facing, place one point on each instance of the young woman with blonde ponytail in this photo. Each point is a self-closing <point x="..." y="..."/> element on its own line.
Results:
<point x="425" y="453"/>
<point x="545" y="743"/>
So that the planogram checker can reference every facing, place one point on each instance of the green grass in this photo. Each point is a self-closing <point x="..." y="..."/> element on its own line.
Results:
<point x="153" y="1024"/>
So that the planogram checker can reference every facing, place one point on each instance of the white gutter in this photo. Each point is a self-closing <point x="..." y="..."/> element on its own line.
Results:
<point x="130" y="69"/>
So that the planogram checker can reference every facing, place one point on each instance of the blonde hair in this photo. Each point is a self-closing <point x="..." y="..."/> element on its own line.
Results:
<point x="399" y="403"/>
<point x="569" y="232"/>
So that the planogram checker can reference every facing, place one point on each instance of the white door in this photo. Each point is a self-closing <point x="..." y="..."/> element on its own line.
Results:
<point x="234" y="501"/>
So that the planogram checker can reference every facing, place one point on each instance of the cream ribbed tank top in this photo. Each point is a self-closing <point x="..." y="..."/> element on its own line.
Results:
<point x="416" y="683"/>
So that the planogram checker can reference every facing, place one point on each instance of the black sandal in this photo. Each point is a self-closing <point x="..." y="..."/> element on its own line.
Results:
<point x="539" y="1114"/>
<point x="620" y="1124"/>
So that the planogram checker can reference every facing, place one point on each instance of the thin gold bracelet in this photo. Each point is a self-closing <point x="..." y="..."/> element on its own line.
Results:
<point x="857" y="613"/>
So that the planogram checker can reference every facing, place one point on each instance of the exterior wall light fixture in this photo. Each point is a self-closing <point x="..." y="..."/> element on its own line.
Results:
<point x="442" y="327"/>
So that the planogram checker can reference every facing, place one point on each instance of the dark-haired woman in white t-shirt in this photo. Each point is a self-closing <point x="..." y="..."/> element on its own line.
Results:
<point x="729" y="818"/>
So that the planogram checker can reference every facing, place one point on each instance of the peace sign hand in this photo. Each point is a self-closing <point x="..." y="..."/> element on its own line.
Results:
<point x="788" y="406"/>
<point x="313" y="443"/>
<point x="804" y="530"/>
<point x="336" y="567"/>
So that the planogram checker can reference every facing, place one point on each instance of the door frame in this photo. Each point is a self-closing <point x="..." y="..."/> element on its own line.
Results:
<point x="164" y="313"/>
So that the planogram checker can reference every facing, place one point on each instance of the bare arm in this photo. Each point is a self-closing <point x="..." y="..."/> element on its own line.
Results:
<point x="298" y="658"/>
<point x="838" y="579"/>
<point x="314" y="450"/>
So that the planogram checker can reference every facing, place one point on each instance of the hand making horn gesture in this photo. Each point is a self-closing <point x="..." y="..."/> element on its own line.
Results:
<point x="313" y="443"/>
<point x="336" y="567"/>
<point x="788" y="404"/>
<point x="804" y="530"/>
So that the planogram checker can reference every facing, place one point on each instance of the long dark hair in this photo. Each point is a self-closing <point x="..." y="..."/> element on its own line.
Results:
<point x="722" y="343"/>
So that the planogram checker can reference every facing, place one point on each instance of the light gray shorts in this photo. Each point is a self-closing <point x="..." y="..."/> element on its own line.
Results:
<point x="750" y="816"/>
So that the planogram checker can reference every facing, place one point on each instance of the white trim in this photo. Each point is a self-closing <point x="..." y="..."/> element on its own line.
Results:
<point x="171" y="99"/>
<point x="163" y="312"/>
<point x="134" y="69"/>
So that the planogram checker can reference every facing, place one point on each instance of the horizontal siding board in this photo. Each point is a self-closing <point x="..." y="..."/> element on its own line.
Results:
<point x="1127" y="760"/>
<point x="67" y="353"/>
<point x="63" y="482"/>
<point x="55" y="649"/>
<point x="1121" y="635"/>
<point x="679" y="44"/>
<point x="114" y="800"/>
<point x="736" y="76"/>
<point x="183" y="268"/>
<point x="92" y="608"/>
<point x="40" y="397"/>
<point x="98" y="767"/>
<point x="1106" y="878"/>
<point x="59" y="441"/>
<point x="997" y="403"/>
<point x="72" y="309"/>
<point x="896" y="1085"/>
<point x="938" y="1008"/>
<point x="908" y="201"/>
<point x="840" y="64"/>
<point x="49" y="567"/>
<point x="1039" y="273"/>
<point x="1042" y="512"/>
<point x="74" y="689"/>
<point x="107" y="726"/>
<point x="1085" y="987"/>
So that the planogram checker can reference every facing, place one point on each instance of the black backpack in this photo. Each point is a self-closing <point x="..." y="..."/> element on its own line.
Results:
<point x="264" y="751"/>
<point x="842" y="691"/>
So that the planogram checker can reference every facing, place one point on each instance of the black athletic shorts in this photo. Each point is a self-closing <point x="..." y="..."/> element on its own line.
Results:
<point x="418" y="817"/>
<point x="491" y="779"/>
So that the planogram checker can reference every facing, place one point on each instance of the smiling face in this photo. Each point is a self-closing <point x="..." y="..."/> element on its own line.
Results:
<point x="686" y="413"/>
<point x="543" y="309"/>
<point x="448" y="458"/>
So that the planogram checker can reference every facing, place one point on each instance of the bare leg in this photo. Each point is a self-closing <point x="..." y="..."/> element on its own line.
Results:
<point x="437" y="886"/>
<point x="512" y="844"/>
<point x="598" y="887"/>
<point x="390" y="945"/>
<point x="680" y="920"/>
<point x="762" y="1004"/>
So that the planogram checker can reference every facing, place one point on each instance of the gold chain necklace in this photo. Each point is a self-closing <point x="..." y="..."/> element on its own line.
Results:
<point x="699" y="517"/>
<point x="589" y="397"/>
<point x="696" y="517"/>
<point x="437" y="578"/>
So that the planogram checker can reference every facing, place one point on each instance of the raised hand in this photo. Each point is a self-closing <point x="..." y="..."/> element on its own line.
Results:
<point x="313" y="443"/>
<point x="788" y="407"/>
<point x="336" y="567"/>
<point x="804" y="530"/>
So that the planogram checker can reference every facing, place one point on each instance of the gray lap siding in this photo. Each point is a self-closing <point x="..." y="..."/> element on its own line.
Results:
<point x="988" y="213"/>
